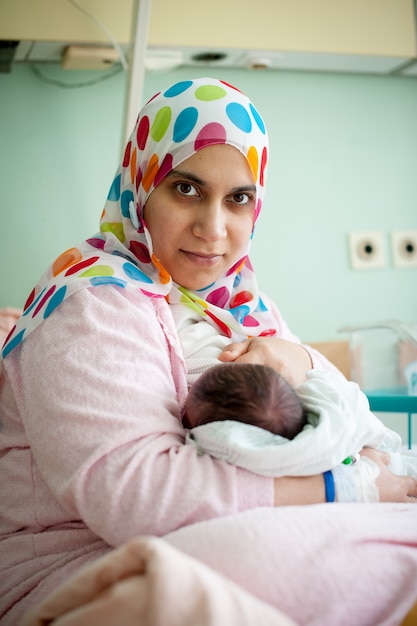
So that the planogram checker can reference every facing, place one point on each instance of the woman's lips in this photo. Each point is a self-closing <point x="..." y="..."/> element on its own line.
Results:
<point x="201" y="258"/>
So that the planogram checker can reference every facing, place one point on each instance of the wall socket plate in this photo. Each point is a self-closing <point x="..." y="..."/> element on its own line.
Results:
<point x="404" y="248"/>
<point x="366" y="250"/>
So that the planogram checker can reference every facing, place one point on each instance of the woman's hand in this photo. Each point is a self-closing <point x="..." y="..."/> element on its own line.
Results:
<point x="290" y="359"/>
<point x="391" y="488"/>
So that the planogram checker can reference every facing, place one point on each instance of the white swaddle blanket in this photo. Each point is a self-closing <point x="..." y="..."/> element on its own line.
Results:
<point x="340" y="424"/>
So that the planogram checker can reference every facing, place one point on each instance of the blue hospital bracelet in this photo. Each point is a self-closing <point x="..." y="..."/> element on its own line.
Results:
<point x="329" y="486"/>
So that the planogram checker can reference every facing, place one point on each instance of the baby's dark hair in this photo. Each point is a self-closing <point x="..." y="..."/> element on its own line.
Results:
<point x="245" y="392"/>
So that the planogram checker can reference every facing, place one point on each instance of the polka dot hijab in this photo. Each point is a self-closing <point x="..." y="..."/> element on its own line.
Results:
<point x="171" y="127"/>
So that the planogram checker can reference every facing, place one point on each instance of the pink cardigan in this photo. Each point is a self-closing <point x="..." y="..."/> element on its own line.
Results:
<point x="91" y="401"/>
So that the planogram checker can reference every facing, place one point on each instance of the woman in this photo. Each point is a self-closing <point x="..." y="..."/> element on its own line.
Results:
<point x="93" y="377"/>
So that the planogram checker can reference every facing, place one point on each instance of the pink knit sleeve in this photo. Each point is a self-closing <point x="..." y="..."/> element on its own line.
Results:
<point x="99" y="398"/>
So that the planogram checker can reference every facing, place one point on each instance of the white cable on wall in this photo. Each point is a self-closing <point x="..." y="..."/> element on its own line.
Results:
<point x="136" y="67"/>
<point x="104" y="28"/>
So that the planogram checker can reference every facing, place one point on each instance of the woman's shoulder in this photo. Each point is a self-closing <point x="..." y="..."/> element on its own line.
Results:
<point x="103" y="313"/>
<point x="102" y="324"/>
<point x="116" y="306"/>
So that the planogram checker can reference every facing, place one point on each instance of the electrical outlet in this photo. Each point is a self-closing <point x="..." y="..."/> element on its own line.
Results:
<point x="366" y="250"/>
<point x="404" y="248"/>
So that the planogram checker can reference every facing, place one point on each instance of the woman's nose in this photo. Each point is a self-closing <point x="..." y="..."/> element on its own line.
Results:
<point x="210" y="221"/>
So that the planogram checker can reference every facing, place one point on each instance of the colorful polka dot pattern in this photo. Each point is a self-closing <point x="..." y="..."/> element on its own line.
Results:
<point x="171" y="127"/>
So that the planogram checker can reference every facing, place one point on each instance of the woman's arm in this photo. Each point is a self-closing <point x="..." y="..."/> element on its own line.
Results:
<point x="100" y="386"/>
<point x="292" y="490"/>
<point x="387" y="486"/>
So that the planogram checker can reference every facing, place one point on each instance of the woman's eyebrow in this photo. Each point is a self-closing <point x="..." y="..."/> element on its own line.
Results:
<point x="187" y="175"/>
<point x="244" y="188"/>
<point x="199" y="181"/>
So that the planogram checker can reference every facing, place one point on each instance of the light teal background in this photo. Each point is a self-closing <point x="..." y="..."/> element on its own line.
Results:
<point x="343" y="158"/>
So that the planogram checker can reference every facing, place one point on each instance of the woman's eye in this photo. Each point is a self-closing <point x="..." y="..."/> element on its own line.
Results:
<point x="186" y="189"/>
<point x="240" y="198"/>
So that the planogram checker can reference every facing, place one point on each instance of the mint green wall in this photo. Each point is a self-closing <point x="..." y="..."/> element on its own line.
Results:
<point x="343" y="157"/>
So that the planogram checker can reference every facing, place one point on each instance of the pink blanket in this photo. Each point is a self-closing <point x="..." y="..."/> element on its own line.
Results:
<point x="147" y="582"/>
<point x="321" y="565"/>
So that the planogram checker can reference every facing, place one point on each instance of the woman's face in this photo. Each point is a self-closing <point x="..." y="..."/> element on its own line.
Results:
<point x="200" y="216"/>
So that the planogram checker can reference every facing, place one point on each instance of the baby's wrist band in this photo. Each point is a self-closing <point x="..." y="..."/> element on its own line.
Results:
<point x="329" y="486"/>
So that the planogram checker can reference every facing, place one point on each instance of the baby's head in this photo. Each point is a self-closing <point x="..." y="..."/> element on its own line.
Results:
<point x="245" y="392"/>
